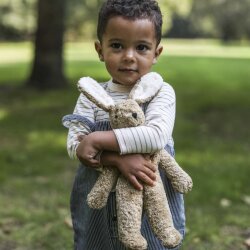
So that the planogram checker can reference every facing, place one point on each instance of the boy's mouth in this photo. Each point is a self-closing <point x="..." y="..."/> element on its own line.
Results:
<point x="127" y="70"/>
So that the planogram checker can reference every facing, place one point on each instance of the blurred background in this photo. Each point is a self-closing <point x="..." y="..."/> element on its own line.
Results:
<point x="45" y="46"/>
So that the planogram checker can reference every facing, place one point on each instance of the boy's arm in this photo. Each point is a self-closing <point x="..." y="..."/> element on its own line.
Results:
<point x="154" y="135"/>
<point x="136" y="168"/>
<point x="148" y="138"/>
<point x="94" y="143"/>
<point x="76" y="128"/>
<point x="72" y="142"/>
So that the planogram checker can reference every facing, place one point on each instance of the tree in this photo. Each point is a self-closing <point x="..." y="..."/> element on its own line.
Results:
<point x="224" y="19"/>
<point x="171" y="8"/>
<point x="47" y="70"/>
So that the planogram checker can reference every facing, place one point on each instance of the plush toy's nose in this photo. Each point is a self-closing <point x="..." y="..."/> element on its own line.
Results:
<point x="134" y="115"/>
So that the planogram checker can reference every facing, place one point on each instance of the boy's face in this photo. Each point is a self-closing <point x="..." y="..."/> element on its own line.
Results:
<point x="128" y="48"/>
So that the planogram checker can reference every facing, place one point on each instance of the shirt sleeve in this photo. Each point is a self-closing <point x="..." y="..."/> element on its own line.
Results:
<point x="76" y="127"/>
<point x="158" y="128"/>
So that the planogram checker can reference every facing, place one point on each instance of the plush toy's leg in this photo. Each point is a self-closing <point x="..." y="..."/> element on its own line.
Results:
<point x="159" y="215"/>
<point x="98" y="196"/>
<point x="129" y="213"/>
<point x="180" y="180"/>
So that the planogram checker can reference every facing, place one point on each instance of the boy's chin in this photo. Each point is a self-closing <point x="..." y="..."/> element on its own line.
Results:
<point x="126" y="83"/>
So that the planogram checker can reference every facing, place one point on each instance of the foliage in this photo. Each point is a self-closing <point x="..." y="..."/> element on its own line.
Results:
<point x="225" y="19"/>
<point x="82" y="15"/>
<point x="17" y="18"/>
<point x="172" y="7"/>
<point x="211" y="138"/>
<point x="82" y="18"/>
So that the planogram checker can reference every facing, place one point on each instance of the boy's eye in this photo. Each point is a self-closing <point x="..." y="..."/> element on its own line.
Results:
<point x="142" y="47"/>
<point x="116" y="46"/>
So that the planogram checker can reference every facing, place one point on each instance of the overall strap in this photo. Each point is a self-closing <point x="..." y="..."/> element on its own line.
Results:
<point x="67" y="119"/>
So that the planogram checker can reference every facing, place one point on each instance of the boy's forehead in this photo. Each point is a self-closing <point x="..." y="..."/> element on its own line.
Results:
<point x="120" y="27"/>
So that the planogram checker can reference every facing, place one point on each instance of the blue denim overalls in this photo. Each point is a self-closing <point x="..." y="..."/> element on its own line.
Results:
<point x="97" y="229"/>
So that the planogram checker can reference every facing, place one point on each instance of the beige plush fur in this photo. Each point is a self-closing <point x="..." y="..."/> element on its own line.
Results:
<point x="131" y="202"/>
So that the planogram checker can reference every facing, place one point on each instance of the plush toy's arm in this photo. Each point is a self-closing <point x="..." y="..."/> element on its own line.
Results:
<point x="180" y="180"/>
<point x="99" y="194"/>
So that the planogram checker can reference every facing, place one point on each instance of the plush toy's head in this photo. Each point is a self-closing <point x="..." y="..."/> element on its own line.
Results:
<point x="127" y="113"/>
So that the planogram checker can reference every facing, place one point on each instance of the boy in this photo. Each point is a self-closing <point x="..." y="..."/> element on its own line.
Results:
<point x="129" y="33"/>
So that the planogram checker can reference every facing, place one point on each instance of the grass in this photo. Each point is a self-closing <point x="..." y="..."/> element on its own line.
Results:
<point x="211" y="136"/>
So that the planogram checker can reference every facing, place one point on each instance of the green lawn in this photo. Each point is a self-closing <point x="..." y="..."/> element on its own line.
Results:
<point x="212" y="139"/>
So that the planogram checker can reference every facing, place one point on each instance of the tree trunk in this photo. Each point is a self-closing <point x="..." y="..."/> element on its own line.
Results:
<point x="47" y="71"/>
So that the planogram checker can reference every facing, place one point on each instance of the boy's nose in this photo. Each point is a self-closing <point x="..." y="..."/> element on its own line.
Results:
<point x="129" y="55"/>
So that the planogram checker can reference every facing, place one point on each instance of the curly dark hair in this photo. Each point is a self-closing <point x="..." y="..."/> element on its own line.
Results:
<point x="130" y="9"/>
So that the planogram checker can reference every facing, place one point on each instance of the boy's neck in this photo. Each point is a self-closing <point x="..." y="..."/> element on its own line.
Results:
<point x="119" y="87"/>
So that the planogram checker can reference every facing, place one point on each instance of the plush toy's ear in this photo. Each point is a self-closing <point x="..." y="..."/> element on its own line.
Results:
<point x="95" y="93"/>
<point x="146" y="88"/>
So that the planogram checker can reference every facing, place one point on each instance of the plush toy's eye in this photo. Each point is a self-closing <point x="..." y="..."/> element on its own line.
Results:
<point x="134" y="115"/>
<point x="116" y="116"/>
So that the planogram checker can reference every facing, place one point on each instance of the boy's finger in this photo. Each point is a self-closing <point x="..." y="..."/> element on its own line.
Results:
<point x="80" y="137"/>
<point x="151" y="166"/>
<point x="90" y="162"/>
<point x="132" y="179"/>
<point x="143" y="177"/>
<point x="94" y="163"/>
<point x="151" y="174"/>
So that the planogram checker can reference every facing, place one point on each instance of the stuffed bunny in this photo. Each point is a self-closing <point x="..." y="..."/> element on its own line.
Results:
<point x="131" y="202"/>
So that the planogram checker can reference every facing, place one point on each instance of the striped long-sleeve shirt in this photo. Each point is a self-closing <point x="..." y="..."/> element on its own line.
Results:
<point x="148" y="138"/>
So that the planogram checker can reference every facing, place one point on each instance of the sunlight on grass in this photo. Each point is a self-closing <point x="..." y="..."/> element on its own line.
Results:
<point x="204" y="48"/>
<point x="53" y="139"/>
<point x="15" y="52"/>
<point x="79" y="51"/>
<point x="3" y="113"/>
<point x="195" y="48"/>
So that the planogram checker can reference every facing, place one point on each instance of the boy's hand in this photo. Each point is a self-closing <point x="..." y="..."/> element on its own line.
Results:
<point x="137" y="168"/>
<point x="86" y="151"/>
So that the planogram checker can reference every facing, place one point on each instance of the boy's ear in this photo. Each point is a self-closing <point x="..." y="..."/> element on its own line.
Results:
<point x="158" y="51"/>
<point x="98" y="48"/>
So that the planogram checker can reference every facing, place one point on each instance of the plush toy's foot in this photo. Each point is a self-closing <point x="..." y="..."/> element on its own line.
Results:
<point x="137" y="242"/>
<point x="97" y="203"/>
<point x="171" y="238"/>
<point x="182" y="183"/>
